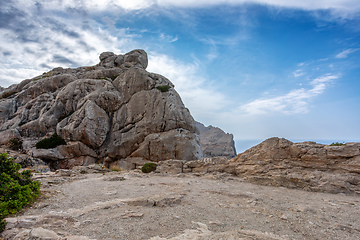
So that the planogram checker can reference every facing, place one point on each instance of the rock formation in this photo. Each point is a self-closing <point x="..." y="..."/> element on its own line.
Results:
<point x="113" y="111"/>
<point x="215" y="142"/>
<point x="279" y="162"/>
<point x="307" y="165"/>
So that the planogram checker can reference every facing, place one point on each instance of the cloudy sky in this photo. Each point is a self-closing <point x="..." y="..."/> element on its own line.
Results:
<point x="255" y="68"/>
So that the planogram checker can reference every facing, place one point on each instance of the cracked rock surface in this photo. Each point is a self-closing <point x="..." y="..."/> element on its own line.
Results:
<point x="108" y="205"/>
<point x="116" y="109"/>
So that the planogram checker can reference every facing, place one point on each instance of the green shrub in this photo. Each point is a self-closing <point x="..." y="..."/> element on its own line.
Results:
<point x="17" y="190"/>
<point x="15" y="144"/>
<point x="52" y="142"/>
<point x="7" y="94"/>
<point x="337" y="144"/>
<point x="148" y="167"/>
<point x="116" y="169"/>
<point x="164" y="88"/>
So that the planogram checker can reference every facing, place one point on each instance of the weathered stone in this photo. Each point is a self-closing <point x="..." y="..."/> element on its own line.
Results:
<point x="113" y="110"/>
<point x="90" y="124"/>
<point x="43" y="234"/>
<point x="170" y="166"/>
<point x="7" y="135"/>
<point x="307" y="165"/>
<point x="207" y="165"/>
<point x="136" y="57"/>
<point x="128" y="163"/>
<point x="153" y="116"/>
<point x="169" y="145"/>
<point x="215" y="142"/>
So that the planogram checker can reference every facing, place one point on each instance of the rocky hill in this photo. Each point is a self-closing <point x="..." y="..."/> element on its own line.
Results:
<point x="115" y="112"/>
<point x="215" y="142"/>
<point x="279" y="162"/>
<point x="307" y="165"/>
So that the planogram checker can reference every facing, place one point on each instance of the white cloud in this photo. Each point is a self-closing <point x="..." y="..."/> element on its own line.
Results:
<point x="345" y="53"/>
<point x="298" y="73"/>
<point x="113" y="5"/>
<point x="197" y="93"/>
<point x="168" y="38"/>
<point x="55" y="42"/>
<point x="296" y="101"/>
<point x="304" y="4"/>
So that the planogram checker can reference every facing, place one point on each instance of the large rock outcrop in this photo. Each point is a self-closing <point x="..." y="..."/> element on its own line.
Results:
<point x="215" y="142"/>
<point x="307" y="165"/>
<point x="112" y="111"/>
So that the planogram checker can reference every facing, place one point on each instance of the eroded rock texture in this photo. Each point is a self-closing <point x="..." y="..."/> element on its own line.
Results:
<point x="215" y="142"/>
<point x="112" y="111"/>
<point x="307" y="165"/>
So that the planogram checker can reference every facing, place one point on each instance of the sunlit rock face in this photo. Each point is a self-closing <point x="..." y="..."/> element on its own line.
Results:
<point x="112" y="111"/>
<point x="307" y="165"/>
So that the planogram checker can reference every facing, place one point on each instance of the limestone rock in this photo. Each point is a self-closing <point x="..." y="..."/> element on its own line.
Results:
<point x="170" y="166"/>
<point x="43" y="234"/>
<point x="307" y="165"/>
<point x="113" y="110"/>
<point x="215" y="142"/>
<point x="7" y="135"/>
<point x="89" y="124"/>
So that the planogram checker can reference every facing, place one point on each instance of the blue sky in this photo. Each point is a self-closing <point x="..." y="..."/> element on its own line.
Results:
<point x="257" y="68"/>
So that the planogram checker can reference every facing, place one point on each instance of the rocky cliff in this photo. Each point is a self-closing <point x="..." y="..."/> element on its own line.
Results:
<point x="113" y="111"/>
<point x="279" y="162"/>
<point x="307" y="165"/>
<point x="215" y="142"/>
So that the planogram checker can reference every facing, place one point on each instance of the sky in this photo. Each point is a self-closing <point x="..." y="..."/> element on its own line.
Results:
<point x="255" y="68"/>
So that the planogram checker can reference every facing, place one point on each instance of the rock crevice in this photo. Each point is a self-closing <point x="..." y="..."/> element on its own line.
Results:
<point x="114" y="108"/>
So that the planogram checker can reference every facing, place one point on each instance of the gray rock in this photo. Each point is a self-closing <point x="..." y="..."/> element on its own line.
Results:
<point x="137" y="58"/>
<point x="215" y="142"/>
<point x="307" y="165"/>
<point x="170" y="166"/>
<point x="7" y="135"/>
<point x="42" y="234"/>
<point x="113" y="110"/>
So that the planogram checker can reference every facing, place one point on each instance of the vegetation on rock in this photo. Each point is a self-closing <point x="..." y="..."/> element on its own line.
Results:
<point x="148" y="167"/>
<point x="17" y="190"/>
<point x="52" y="142"/>
<point x="164" y="88"/>
<point x="7" y="94"/>
<point x="15" y="144"/>
<point x="337" y="144"/>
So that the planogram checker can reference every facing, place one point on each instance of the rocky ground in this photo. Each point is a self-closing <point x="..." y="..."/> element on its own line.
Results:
<point x="99" y="204"/>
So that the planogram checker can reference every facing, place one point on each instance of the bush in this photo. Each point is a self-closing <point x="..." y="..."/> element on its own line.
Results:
<point x="15" y="144"/>
<point x="337" y="144"/>
<point x="7" y="94"/>
<point x="164" y="88"/>
<point x="148" y="167"/>
<point x="52" y="142"/>
<point x="17" y="190"/>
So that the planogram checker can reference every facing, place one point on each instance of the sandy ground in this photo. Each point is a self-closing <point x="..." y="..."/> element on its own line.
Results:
<point x="134" y="205"/>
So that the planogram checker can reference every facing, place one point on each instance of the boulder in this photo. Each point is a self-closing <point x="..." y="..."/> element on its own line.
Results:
<point x="215" y="142"/>
<point x="112" y="111"/>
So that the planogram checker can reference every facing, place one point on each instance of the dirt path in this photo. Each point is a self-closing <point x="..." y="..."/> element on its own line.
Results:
<point x="133" y="205"/>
